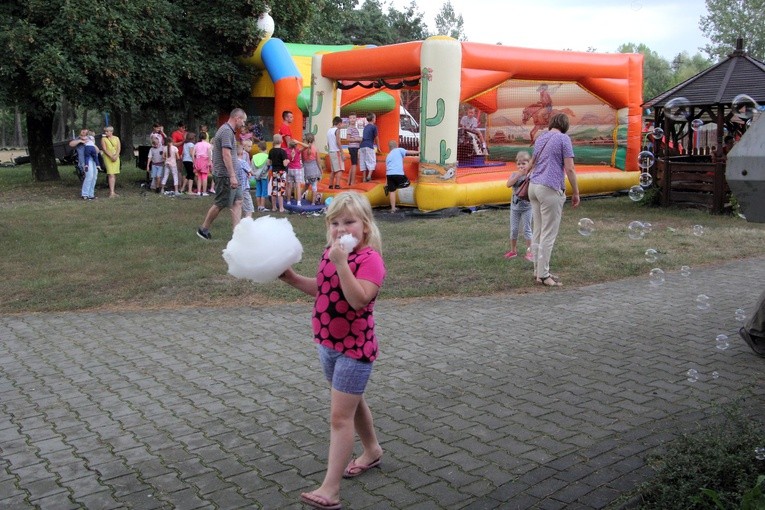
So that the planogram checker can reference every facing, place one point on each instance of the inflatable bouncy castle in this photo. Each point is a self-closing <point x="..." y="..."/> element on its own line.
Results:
<point x="514" y="91"/>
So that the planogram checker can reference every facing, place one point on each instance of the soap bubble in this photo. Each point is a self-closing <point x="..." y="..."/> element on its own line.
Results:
<point x="702" y="302"/>
<point x="697" y="124"/>
<point x="586" y="227"/>
<point x="647" y="227"/>
<point x="658" y="133"/>
<point x="656" y="277"/>
<point x="740" y="315"/>
<point x="645" y="179"/>
<point x="744" y="106"/>
<point x="260" y="250"/>
<point x="693" y="375"/>
<point x="328" y="201"/>
<point x="635" y="230"/>
<point x="698" y="230"/>
<point x="759" y="453"/>
<point x="636" y="193"/>
<point x="722" y="342"/>
<point x="715" y="375"/>
<point x="685" y="271"/>
<point x="646" y="159"/>
<point x="651" y="255"/>
<point x="678" y="109"/>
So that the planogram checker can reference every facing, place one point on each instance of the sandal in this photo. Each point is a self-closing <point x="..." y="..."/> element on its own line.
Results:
<point x="549" y="281"/>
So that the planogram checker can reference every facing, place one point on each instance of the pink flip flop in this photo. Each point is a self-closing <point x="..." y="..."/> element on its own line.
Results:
<point x="353" y="470"/>
<point x="316" y="501"/>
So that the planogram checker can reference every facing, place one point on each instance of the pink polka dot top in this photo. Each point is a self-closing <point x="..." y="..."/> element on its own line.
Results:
<point x="335" y="323"/>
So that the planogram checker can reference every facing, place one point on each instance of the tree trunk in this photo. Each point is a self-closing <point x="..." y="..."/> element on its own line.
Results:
<point x="40" y="132"/>
<point x="62" y="117"/>
<point x="18" y="139"/>
<point x="123" y="122"/>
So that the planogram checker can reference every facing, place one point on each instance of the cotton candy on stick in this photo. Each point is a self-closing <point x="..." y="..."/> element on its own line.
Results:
<point x="348" y="242"/>
<point x="260" y="250"/>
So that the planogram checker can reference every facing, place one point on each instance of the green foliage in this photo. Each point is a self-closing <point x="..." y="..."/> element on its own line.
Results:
<point x="407" y="25"/>
<point x="729" y="19"/>
<point x="342" y="22"/>
<point x="657" y="73"/>
<point x="450" y="23"/>
<point x="686" y="66"/>
<point x="753" y="499"/>
<point x="712" y="468"/>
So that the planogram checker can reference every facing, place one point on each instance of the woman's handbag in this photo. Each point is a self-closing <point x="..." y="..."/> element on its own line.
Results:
<point x="523" y="189"/>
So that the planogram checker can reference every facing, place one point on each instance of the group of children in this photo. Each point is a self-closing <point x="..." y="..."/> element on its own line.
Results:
<point x="195" y="157"/>
<point x="293" y="168"/>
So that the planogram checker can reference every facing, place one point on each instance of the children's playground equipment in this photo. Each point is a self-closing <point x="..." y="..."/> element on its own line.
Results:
<point x="517" y="89"/>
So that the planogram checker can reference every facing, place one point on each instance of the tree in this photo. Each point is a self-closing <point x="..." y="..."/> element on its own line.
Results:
<point x="730" y="19"/>
<point x="657" y="73"/>
<point x="121" y="56"/>
<point x="326" y="22"/>
<point x="449" y="23"/>
<point x="684" y="66"/>
<point x="407" y="25"/>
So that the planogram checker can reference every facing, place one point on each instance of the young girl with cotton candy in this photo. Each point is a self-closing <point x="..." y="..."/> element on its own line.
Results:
<point x="346" y="285"/>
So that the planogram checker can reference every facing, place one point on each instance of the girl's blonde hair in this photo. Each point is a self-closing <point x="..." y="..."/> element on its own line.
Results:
<point x="522" y="153"/>
<point x="357" y="205"/>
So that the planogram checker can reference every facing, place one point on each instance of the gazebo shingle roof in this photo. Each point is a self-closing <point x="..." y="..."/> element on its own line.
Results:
<point x="720" y="84"/>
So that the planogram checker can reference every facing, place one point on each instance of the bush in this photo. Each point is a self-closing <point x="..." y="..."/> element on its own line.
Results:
<point x="710" y="469"/>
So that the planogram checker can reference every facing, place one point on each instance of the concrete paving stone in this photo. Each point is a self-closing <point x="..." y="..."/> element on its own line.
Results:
<point x="101" y="500"/>
<point x="228" y="467"/>
<point x="272" y="497"/>
<point x="572" y="492"/>
<point x="55" y="501"/>
<point x="113" y="468"/>
<point x="145" y="499"/>
<point x="249" y="481"/>
<point x="412" y="477"/>
<point x="601" y="497"/>
<point x="186" y="499"/>
<point x="456" y="476"/>
<point x="229" y="498"/>
<point x="398" y="495"/>
<point x="12" y="501"/>
<point x="446" y="495"/>
<point x="43" y="488"/>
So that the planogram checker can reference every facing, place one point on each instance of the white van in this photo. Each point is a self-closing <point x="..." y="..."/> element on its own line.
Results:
<point x="408" y="131"/>
<point x="408" y="126"/>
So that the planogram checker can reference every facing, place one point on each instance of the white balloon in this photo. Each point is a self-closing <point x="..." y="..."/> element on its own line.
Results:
<point x="260" y="250"/>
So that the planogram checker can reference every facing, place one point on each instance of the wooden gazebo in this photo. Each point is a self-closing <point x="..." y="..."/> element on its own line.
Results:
<point x="690" y="169"/>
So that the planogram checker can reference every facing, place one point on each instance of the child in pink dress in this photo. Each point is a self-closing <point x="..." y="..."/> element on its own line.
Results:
<point x="202" y="164"/>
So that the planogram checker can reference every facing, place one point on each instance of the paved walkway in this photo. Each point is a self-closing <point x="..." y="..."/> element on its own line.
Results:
<point x="544" y="400"/>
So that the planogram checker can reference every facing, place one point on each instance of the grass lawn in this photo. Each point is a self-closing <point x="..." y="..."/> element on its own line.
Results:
<point x="140" y="250"/>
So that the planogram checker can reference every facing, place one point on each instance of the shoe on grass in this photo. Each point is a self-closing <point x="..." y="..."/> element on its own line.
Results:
<point x="204" y="233"/>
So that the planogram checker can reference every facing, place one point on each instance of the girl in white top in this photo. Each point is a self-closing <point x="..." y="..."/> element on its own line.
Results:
<point x="171" y="165"/>
<point x="335" y="153"/>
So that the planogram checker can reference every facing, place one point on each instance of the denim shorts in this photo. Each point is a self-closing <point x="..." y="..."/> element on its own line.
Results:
<point x="343" y="373"/>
